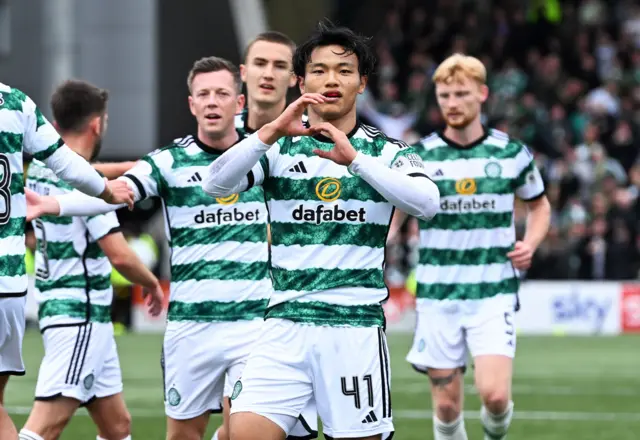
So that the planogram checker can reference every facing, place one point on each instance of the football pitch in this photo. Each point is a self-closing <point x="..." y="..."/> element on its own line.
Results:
<point x="585" y="388"/>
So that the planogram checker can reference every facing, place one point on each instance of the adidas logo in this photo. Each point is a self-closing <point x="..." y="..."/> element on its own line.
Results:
<point x="438" y="173"/>
<point x="371" y="417"/>
<point x="298" y="168"/>
<point x="195" y="178"/>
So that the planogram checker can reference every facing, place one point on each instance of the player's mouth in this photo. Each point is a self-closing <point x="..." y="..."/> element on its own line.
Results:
<point x="267" y="88"/>
<point x="332" y="96"/>
<point x="212" y="117"/>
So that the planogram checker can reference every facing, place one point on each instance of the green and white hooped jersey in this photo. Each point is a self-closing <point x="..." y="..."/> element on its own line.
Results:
<point x="463" y="250"/>
<point x="219" y="249"/>
<point x="22" y="128"/>
<point x="73" y="275"/>
<point x="328" y="229"/>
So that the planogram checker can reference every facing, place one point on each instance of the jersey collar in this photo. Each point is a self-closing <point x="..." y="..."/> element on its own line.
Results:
<point x="323" y="138"/>
<point x="480" y="140"/>
<point x="207" y="149"/>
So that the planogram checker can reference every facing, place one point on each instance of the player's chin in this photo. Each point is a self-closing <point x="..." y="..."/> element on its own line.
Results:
<point x="330" y="111"/>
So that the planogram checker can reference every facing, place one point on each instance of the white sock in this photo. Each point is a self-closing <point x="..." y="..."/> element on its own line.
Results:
<point x="126" y="438"/>
<point x="496" y="425"/>
<point x="215" y="435"/>
<point x="25" y="434"/>
<point x="449" y="431"/>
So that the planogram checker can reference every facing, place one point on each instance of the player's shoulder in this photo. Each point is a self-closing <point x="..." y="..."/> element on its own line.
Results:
<point x="377" y="143"/>
<point x="510" y="146"/>
<point x="12" y="98"/>
<point x="178" y="143"/>
<point x="38" y="171"/>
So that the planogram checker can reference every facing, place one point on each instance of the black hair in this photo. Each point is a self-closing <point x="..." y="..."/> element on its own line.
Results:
<point x="327" y="34"/>
<point x="74" y="102"/>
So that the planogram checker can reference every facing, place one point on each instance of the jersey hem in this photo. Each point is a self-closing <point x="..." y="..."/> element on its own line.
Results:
<point x="12" y="294"/>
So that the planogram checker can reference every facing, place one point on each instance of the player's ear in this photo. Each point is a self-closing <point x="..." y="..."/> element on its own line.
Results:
<point x="364" y="79"/>
<point x="240" y="103"/>
<point x="95" y="125"/>
<point x="293" y="80"/>
<point x="56" y="126"/>
<point x="192" y="105"/>
<point x="243" y="72"/>
<point x="301" y="84"/>
<point x="484" y="92"/>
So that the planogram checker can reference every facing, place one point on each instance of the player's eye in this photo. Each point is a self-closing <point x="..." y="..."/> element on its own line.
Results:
<point x="317" y="71"/>
<point x="345" y="71"/>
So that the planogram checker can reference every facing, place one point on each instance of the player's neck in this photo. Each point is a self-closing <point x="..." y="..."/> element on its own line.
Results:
<point x="345" y="124"/>
<point x="258" y="115"/>
<point x="223" y="143"/>
<point x="78" y="143"/>
<point x="466" y="135"/>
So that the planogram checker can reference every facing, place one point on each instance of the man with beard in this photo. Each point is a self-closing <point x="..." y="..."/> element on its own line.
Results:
<point x="469" y="256"/>
<point x="74" y="257"/>
<point x="330" y="190"/>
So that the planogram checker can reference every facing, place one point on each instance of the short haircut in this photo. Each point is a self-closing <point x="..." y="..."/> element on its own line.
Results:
<point x="271" y="37"/>
<point x="327" y="34"/>
<point x="457" y="67"/>
<point x="214" y="64"/>
<point x="75" y="102"/>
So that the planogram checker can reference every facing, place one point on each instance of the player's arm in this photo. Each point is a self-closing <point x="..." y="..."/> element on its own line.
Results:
<point x="113" y="170"/>
<point x="144" y="180"/>
<point x="397" y="221"/>
<point x="242" y="166"/>
<point x="43" y="142"/>
<point x="530" y="189"/>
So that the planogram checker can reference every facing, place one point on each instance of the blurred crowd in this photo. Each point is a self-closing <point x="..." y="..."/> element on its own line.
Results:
<point x="564" y="77"/>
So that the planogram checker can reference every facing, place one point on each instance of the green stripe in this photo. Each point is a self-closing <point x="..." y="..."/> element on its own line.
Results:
<point x="484" y="185"/>
<point x="522" y="177"/>
<point x="55" y="220"/>
<point x="60" y="250"/>
<point x="306" y="145"/>
<point x="457" y="222"/>
<point x="319" y="313"/>
<point x="482" y="151"/>
<point x="40" y="119"/>
<point x="42" y="155"/>
<point x="55" y="183"/>
<point x="309" y="280"/>
<point x="222" y="270"/>
<point x="182" y="160"/>
<point x="329" y="234"/>
<point x="94" y="251"/>
<point x="73" y="309"/>
<point x="156" y="174"/>
<point x="475" y="256"/>
<point x="17" y="183"/>
<point x="11" y="143"/>
<point x="439" y="291"/>
<point x="96" y="282"/>
<point x="216" y="311"/>
<point x="13" y="100"/>
<point x="12" y="266"/>
<point x="251" y="233"/>
<point x="190" y="196"/>
<point x="351" y="188"/>
<point x="14" y="227"/>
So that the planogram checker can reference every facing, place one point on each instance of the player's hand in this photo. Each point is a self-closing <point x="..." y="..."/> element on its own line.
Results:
<point x="342" y="152"/>
<point x="154" y="299"/>
<point x="289" y="123"/>
<point x="38" y="205"/>
<point x="521" y="255"/>
<point x="117" y="192"/>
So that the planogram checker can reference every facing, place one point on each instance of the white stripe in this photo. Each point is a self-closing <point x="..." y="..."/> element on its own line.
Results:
<point x="183" y="217"/>
<point x="532" y="416"/>
<point x="459" y="274"/>
<point x="214" y="290"/>
<point x="345" y="296"/>
<point x="45" y="136"/>
<point x="246" y="252"/>
<point x="467" y="239"/>
<point x="98" y="297"/>
<point x="315" y="166"/>
<point x="476" y="204"/>
<point x="13" y="245"/>
<point x="375" y="212"/>
<point x="11" y="121"/>
<point x="474" y="168"/>
<point x="13" y="284"/>
<point x="327" y="257"/>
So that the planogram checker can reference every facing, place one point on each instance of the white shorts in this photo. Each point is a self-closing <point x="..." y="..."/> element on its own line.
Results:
<point x="345" y="369"/>
<point x="12" y="324"/>
<point x="80" y="362"/>
<point x="196" y="359"/>
<point x="448" y="331"/>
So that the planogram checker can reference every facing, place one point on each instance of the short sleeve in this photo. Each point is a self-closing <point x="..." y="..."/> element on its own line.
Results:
<point x="146" y="177"/>
<point x="101" y="225"/>
<point x="528" y="184"/>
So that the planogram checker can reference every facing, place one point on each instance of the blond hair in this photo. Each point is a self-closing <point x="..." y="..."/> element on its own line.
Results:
<point x="459" y="66"/>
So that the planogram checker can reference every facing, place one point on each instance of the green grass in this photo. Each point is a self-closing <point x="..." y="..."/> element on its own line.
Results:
<point x="565" y="388"/>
